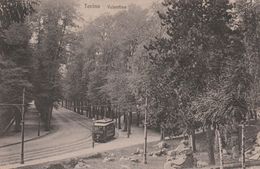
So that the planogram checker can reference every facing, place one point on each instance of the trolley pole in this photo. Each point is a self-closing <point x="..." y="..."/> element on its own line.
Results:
<point x="145" y="132"/>
<point x="22" y="134"/>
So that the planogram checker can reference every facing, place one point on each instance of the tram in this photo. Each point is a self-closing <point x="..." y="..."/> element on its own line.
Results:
<point x="103" y="130"/>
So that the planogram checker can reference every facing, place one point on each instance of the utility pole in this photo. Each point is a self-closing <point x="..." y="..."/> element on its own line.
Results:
<point x="145" y="132"/>
<point x="22" y="134"/>
<point x="116" y="115"/>
<point x="93" y="128"/>
<point x="39" y="124"/>
<point x="243" y="146"/>
<point x="220" y="149"/>
<point x="119" y="117"/>
<point x="128" y="125"/>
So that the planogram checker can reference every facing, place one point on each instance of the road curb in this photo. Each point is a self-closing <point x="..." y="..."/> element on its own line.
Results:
<point x="27" y="140"/>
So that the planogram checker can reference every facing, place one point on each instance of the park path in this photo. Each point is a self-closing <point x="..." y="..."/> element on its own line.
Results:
<point x="31" y="130"/>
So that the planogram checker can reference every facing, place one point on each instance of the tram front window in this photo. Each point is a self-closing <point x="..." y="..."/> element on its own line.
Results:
<point x="98" y="129"/>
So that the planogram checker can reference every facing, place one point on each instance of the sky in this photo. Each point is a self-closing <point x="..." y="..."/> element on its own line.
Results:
<point x="90" y="9"/>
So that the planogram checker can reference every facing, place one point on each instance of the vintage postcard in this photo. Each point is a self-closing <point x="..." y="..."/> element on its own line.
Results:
<point x="129" y="84"/>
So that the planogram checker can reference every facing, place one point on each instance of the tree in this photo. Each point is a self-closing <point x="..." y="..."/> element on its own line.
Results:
<point x="54" y="24"/>
<point x="247" y="14"/>
<point x="194" y="57"/>
<point x="15" y="56"/>
<point x="15" y="11"/>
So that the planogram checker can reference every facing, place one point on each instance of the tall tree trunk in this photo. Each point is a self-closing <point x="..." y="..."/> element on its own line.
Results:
<point x="18" y="117"/>
<point x="108" y="112"/>
<point x="96" y="112"/>
<point x="162" y="133"/>
<point x="103" y="113"/>
<point x="47" y="121"/>
<point x="130" y="119"/>
<point x="239" y="139"/>
<point x="119" y="119"/>
<point x="99" y="114"/>
<point x="78" y="106"/>
<point x="74" y="106"/>
<point x="81" y="107"/>
<point x="125" y="122"/>
<point x="89" y="111"/>
<point x="93" y="112"/>
<point x="128" y="125"/>
<point x="138" y="119"/>
<point x="235" y="140"/>
<point x="255" y="114"/>
<point x="193" y="140"/>
<point x="113" y="113"/>
<point x="220" y="149"/>
<point x="243" y="146"/>
<point x="48" y="118"/>
<point x="210" y="138"/>
<point x="115" y="116"/>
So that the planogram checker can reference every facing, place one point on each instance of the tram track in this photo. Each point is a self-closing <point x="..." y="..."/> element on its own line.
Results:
<point x="72" y="134"/>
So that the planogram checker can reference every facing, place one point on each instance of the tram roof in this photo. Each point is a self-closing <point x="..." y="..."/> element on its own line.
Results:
<point x="103" y="122"/>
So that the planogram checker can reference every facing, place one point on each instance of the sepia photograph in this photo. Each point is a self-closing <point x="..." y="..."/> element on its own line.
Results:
<point x="129" y="84"/>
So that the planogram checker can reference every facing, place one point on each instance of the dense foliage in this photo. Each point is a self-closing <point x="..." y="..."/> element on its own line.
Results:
<point x="34" y="41"/>
<point x="15" y="57"/>
<point x="197" y="62"/>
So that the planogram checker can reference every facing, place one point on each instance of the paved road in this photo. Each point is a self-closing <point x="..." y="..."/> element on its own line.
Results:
<point x="70" y="133"/>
